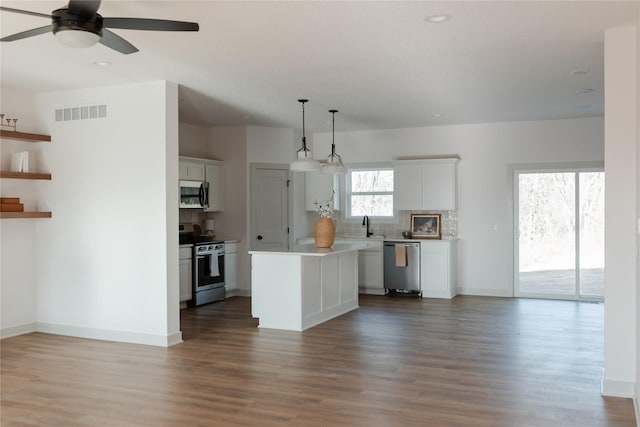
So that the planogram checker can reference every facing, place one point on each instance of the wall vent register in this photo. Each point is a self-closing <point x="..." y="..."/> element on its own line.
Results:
<point x="84" y="112"/>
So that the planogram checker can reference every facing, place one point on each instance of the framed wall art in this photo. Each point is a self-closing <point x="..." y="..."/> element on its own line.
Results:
<point x="426" y="226"/>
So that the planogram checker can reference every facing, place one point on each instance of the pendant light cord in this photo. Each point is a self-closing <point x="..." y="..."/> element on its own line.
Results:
<point x="333" y="134"/>
<point x="304" y="138"/>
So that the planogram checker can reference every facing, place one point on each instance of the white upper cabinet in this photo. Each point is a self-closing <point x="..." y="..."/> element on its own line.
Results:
<point x="215" y="177"/>
<point x="429" y="184"/>
<point x="193" y="171"/>
<point x="209" y="171"/>
<point x="318" y="188"/>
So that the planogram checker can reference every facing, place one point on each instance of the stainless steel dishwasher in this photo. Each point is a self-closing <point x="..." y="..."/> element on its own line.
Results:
<point x="402" y="278"/>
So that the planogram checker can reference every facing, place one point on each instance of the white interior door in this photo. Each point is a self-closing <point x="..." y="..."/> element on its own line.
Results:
<point x="269" y="208"/>
<point x="559" y="234"/>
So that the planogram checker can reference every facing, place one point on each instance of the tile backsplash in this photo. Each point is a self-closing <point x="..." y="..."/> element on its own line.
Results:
<point x="449" y="225"/>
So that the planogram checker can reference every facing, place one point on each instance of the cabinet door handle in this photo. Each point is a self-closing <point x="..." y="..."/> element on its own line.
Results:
<point x="259" y="237"/>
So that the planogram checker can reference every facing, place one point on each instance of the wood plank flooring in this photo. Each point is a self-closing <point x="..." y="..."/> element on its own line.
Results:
<point x="396" y="361"/>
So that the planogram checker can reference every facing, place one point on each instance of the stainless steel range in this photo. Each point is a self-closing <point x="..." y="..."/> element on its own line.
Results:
<point x="208" y="265"/>
<point x="208" y="272"/>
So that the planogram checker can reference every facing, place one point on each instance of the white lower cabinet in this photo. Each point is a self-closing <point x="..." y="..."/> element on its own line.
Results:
<point x="438" y="269"/>
<point x="185" y="273"/>
<point x="370" y="277"/>
<point x="230" y="266"/>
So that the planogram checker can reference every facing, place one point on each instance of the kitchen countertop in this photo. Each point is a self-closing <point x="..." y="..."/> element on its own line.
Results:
<point x="386" y="239"/>
<point x="312" y="250"/>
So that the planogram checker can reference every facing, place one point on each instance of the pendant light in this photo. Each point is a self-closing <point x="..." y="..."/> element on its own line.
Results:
<point x="334" y="163"/>
<point x="304" y="161"/>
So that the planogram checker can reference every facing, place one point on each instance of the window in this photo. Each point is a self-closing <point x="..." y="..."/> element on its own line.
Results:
<point x="370" y="192"/>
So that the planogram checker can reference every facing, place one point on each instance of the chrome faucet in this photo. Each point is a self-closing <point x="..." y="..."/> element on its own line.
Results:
<point x="365" y="221"/>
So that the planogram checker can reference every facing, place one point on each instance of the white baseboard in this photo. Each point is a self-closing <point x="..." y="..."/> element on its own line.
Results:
<point x="486" y="292"/>
<point x="371" y="291"/>
<point x="636" y="405"/>
<point x="616" y="388"/>
<point x="14" y="331"/>
<point x="110" y="335"/>
<point x="238" y="293"/>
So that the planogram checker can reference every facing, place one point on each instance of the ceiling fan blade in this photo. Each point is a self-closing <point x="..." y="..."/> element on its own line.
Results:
<point x="25" y="12"/>
<point x="149" y="24"/>
<point x="28" y="33"/>
<point x="84" y="7"/>
<point x="115" y="42"/>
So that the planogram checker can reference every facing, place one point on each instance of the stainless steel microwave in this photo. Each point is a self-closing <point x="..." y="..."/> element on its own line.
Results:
<point x="194" y="194"/>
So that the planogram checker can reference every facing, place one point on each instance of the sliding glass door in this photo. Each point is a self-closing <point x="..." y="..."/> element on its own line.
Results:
<point x="559" y="234"/>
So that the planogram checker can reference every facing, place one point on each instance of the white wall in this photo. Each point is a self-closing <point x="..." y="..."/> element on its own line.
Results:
<point x="229" y="144"/>
<point x="107" y="260"/>
<point x="194" y="141"/>
<point x="486" y="151"/>
<point x="18" y="236"/>
<point x="637" y="390"/>
<point x="621" y="75"/>
<point x="269" y="145"/>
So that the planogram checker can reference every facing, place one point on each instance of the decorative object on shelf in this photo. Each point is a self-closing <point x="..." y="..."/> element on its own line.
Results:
<point x="334" y="163"/>
<point x="9" y="126"/>
<point x="426" y="226"/>
<point x="20" y="162"/>
<point x="304" y="160"/>
<point x="324" y="231"/>
<point x="11" y="204"/>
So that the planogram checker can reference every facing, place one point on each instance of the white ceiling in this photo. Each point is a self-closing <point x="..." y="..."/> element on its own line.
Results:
<point x="379" y="63"/>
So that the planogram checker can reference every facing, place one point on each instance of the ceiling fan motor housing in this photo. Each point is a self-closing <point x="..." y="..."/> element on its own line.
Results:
<point x="63" y="20"/>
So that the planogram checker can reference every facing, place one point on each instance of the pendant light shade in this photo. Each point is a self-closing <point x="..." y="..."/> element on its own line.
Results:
<point x="334" y="163"/>
<point x="304" y="160"/>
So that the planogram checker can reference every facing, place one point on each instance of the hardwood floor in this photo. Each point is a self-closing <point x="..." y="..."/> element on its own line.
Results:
<point x="396" y="361"/>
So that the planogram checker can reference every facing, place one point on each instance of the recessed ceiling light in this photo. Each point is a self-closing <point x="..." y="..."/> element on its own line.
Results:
<point x="436" y="19"/>
<point x="436" y="115"/>
<point x="580" y="71"/>
<point x="585" y="106"/>
<point x="584" y="90"/>
<point x="102" y="63"/>
<point x="246" y="117"/>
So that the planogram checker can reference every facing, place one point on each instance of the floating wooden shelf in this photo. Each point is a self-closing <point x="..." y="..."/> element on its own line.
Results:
<point x="25" y="214"/>
<point x="25" y="175"/>
<point x="24" y="136"/>
<point x="29" y="137"/>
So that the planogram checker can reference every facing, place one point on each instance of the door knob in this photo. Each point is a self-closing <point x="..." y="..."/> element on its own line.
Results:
<point x="259" y="237"/>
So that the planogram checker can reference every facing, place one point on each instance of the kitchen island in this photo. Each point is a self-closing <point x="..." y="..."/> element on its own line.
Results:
<point x="303" y="287"/>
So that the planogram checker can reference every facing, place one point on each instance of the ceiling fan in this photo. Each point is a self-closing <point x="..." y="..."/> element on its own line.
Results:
<point x="80" y="25"/>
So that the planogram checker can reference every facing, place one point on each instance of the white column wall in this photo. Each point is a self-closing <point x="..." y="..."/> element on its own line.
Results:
<point x="104" y="259"/>
<point x="18" y="236"/>
<point x="637" y="390"/>
<point x="621" y="76"/>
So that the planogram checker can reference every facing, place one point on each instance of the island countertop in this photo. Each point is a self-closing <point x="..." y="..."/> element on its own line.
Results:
<point x="312" y="250"/>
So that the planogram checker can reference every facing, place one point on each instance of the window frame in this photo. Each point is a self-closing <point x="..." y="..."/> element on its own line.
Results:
<point x="348" y="193"/>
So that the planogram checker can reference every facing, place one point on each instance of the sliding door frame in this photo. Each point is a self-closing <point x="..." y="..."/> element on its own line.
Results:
<point x="514" y="205"/>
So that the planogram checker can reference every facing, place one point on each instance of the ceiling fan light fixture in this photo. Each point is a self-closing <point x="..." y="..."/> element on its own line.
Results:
<point x="304" y="161"/>
<point x="77" y="38"/>
<point x="334" y="163"/>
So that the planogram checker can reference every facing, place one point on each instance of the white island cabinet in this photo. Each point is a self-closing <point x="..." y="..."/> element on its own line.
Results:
<point x="301" y="288"/>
